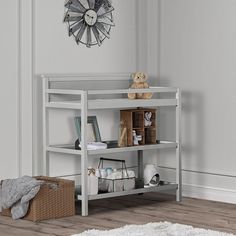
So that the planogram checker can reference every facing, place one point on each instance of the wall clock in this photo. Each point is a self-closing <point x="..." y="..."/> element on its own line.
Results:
<point x="89" y="21"/>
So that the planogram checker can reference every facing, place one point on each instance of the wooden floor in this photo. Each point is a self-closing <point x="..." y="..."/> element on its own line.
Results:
<point x="138" y="209"/>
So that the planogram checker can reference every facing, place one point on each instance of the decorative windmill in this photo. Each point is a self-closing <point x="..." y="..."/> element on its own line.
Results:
<point x="89" y="21"/>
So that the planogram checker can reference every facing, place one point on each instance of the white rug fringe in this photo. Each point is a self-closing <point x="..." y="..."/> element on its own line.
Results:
<point x="154" y="229"/>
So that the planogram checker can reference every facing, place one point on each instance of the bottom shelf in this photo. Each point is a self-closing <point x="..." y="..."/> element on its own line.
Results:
<point x="164" y="187"/>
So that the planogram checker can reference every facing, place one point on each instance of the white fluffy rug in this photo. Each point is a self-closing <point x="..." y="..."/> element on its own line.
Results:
<point x="154" y="229"/>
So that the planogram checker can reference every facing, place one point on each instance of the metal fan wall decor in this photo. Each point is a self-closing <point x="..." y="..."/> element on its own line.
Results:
<point x="89" y="21"/>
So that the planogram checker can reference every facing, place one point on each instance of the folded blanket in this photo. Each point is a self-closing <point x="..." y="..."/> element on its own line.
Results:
<point x="95" y="145"/>
<point x="16" y="193"/>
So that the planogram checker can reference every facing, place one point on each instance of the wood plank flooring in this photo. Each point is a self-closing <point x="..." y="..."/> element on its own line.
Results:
<point x="136" y="209"/>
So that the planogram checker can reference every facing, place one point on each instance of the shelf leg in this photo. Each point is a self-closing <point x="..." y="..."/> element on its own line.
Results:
<point x="178" y="149"/>
<point x="140" y="164"/>
<point x="84" y="202"/>
<point x="47" y="168"/>
<point x="84" y="154"/>
<point x="45" y="128"/>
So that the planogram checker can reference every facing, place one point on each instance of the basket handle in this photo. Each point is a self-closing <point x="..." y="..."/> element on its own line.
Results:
<point x="109" y="159"/>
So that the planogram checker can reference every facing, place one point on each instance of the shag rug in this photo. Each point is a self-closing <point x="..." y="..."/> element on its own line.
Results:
<point x="154" y="229"/>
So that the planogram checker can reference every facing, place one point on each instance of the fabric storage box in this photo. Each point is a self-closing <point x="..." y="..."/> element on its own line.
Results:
<point x="55" y="199"/>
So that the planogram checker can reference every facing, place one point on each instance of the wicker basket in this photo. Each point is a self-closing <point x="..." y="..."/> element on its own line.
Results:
<point x="115" y="185"/>
<point x="51" y="202"/>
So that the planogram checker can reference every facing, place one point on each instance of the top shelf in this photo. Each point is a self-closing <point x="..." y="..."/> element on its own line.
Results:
<point x="105" y="103"/>
<point x="113" y="103"/>
<point x="113" y="91"/>
<point x="112" y="98"/>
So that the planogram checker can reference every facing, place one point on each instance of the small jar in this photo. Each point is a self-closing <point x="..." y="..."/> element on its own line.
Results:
<point x="97" y="173"/>
<point x="139" y="138"/>
<point x="103" y="173"/>
<point x="135" y="140"/>
<point x="109" y="170"/>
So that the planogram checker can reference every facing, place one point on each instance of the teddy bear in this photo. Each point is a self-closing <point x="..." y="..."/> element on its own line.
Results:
<point x="139" y="82"/>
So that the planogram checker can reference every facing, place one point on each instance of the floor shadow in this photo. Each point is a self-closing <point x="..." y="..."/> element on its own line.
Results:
<point x="126" y="202"/>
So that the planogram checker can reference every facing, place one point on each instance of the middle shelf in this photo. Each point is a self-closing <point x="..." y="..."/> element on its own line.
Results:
<point x="70" y="148"/>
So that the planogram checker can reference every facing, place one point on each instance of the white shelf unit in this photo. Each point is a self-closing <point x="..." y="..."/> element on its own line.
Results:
<point x="84" y="103"/>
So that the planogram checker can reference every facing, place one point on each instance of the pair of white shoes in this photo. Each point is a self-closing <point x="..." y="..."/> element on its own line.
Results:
<point x="155" y="180"/>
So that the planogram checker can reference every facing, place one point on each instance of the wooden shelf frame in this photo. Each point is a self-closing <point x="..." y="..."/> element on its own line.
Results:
<point x="84" y="103"/>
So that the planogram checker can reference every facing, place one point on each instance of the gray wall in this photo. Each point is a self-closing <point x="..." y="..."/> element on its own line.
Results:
<point x="56" y="53"/>
<point x="9" y="92"/>
<point x="188" y="44"/>
<point x="36" y="41"/>
<point x="198" y="54"/>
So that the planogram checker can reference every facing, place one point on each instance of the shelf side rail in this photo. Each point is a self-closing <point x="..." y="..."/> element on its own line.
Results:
<point x="113" y="91"/>
<point x="84" y="153"/>
<point x="45" y="117"/>
<point x="178" y="149"/>
<point x="64" y="91"/>
<point x="88" y="77"/>
<point x="129" y="90"/>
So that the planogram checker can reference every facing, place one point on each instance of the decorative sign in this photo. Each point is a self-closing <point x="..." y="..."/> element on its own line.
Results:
<point x="89" y="21"/>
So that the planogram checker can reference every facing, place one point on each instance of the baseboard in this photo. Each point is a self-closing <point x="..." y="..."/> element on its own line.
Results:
<point x="210" y="193"/>
<point x="204" y="185"/>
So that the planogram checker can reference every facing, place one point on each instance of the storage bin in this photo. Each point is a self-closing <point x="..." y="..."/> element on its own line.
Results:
<point x="115" y="185"/>
<point x="55" y="199"/>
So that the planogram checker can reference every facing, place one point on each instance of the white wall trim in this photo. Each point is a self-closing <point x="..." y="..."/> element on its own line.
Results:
<point x="141" y="35"/>
<point x="34" y="92"/>
<point x="159" y="23"/>
<point x="19" y="157"/>
<point x="204" y="172"/>
<point x="153" y="37"/>
<point x="204" y="185"/>
<point x="209" y="193"/>
<point x="25" y="87"/>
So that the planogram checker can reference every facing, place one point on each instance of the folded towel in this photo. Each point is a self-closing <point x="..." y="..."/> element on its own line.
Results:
<point x="95" y="145"/>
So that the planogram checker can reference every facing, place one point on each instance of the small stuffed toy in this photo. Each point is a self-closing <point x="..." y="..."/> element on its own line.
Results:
<point x="139" y="82"/>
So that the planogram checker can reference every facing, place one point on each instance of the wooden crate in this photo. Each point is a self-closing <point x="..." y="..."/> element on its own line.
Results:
<point x="134" y="120"/>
